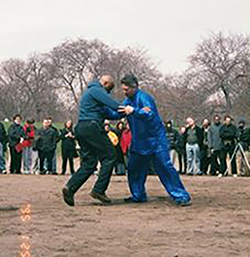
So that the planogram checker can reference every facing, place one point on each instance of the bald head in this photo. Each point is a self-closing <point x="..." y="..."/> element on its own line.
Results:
<point x="108" y="82"/>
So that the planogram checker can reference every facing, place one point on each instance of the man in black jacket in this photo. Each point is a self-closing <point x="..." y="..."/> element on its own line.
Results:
<point x="3" y="141"/>
<point x="194" y="140"/>
<point x="172" y="136"/>
<point x="229" y="136"/>
<point x="46" y="145"/>
<point x="244" y="139"/>
<point x="16" y="135"/>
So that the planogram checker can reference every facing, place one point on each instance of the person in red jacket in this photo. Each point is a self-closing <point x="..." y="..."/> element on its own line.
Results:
<point x="29" y="130"/>
<point x="125" y="143"/>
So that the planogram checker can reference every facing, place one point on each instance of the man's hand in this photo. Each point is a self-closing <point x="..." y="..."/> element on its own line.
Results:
<point x="126" y="109"/>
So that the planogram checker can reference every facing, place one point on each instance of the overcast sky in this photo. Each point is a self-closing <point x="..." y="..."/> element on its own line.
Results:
<point x="168" y="29"/>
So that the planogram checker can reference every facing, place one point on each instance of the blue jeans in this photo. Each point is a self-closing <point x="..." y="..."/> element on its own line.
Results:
<point x="193" y="158"/>
<point x="27" y="159"/>
<point x="2" y="159"/>
<point x="137" y="174"/>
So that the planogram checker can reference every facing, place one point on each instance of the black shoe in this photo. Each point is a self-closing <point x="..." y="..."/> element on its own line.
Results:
<point x="54" y="173"/>
<point x="100" y="196"/>
<point x="188" y="203"/>
<point x="128" y="200"/>
<point x="68" y="197"/>
<point x="131" y="200"/>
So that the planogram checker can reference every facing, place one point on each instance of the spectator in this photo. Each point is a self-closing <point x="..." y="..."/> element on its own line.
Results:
<point x="125" y="143"/>
<point x="181" y="151"/>
<point x="193" y="138"/>
<point x="214" y="144"/>
<point x="3" y="148"/>
<point x="205" y="154"/>
<point x="172" y="136"/>
<point x="68" y="147"/>
<point x="54" y="160"/>
<point x="228" y="135"/>
<point x="29" y="130"/>
<point x="16" y="135"/>
<point x="120" y="162"/>
<point x="244" y="140"/>
<point x="46" y="145"/>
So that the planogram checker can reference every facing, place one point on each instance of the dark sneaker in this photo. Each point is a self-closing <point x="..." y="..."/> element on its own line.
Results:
<point x="131" y="200"/>
<point x="68" y="197"/>
<point x="128" y="200"/>
<point x="188" y="203"/>
<point x="101" y="197"/>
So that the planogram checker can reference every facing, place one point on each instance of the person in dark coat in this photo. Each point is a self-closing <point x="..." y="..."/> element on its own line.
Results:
<point x="181" y="151"/>
<point x="46" y="145"/>
<point x="205" y="153"/>
<point x="67" y="136"/>
<point x="244" y="140"/>
<point x="120" y="161"/>
<point x="229" y="136"/>
<point x="172" y="136"/>
<point x="16" y="136"/>
<point x="3" y="148"/>
<point x="214" y="144"/>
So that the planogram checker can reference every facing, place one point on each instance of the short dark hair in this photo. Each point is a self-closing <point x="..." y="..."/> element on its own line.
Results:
<point x="31" y="121"/>
<point x="130" y="80"/>
<point x="216" y="116"/>
<point x="228" y="116"/>
<point x="17" y="115"/>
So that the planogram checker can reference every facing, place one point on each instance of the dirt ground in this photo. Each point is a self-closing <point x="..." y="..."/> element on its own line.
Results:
<point x="215" y="225"/>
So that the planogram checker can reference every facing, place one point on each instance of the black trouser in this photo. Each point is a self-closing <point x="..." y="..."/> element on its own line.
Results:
<point x="182" y="158"/>
<point x="46" y="155"/>
<point x="223" y="156"/>
<point x="65" y="157"/>
<point x="15" y="161"/>
<point x="205" y="160"/>
<point x="95" y="146"/>
<point x="215" y="155"/>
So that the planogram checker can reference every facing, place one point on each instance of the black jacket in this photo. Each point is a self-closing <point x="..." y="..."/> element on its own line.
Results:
<point x="15" y="132"/>
<point x="244" y="137"/>
<point x="47" y="139"/>
<point x="3" y="136"/>
<point x="228" y="135"/>
<point x="180" y="144"/>
<point x="68" y="143"/>
<point x="199" y="135"/>
<point x="172" y="136"/>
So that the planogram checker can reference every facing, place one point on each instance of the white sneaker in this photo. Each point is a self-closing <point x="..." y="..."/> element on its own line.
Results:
<point x="235" y="175"/>
<point x="26" y="172"/>
<point x="220" y="175"/>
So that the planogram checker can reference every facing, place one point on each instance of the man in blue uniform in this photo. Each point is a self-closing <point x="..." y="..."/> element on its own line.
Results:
<point x="93" y="140"/>
<point x="149" y="143"/>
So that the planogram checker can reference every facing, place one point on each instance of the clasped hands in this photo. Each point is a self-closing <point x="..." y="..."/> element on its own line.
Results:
<point x="126" y="109"/>
<point x="129" y="109"/>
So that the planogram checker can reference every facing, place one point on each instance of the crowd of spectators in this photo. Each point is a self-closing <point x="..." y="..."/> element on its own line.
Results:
<point x="199" y="150"/>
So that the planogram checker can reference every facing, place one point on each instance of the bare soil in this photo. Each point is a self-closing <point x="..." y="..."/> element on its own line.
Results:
<point x="215" y="225"/>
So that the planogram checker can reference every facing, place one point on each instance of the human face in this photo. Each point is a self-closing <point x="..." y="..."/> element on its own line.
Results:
<point x="46" y="124"/>
<point x="128" y="91"/>
<point x="190" y="122"/>
<point x="18" y="120"/>
<point x="227" y="121"/>
<point x="109" y="85"/>
<point x="69" y="124"/>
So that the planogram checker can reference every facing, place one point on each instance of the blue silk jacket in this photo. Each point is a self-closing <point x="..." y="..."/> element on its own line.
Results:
<point x="148" y="132"/>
